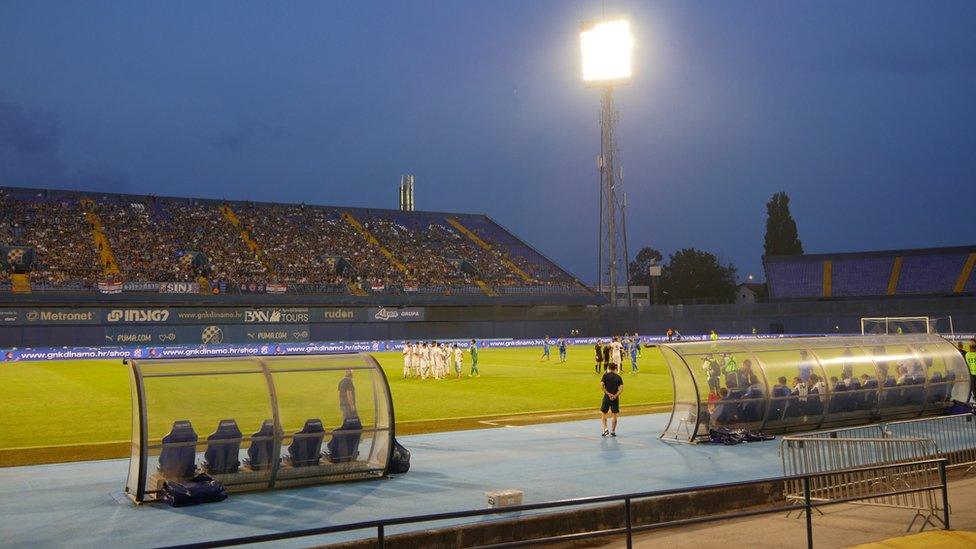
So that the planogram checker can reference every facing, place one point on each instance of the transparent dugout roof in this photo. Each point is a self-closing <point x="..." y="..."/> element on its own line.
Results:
<point x="800" y="384"/>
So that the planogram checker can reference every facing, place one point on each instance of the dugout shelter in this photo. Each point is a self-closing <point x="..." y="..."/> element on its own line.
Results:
<point x="843" y="380"/>
<point x="257" y="423"/>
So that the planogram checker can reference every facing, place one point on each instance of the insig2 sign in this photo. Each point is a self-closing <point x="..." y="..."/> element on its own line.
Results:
<point x="137" y="315"/>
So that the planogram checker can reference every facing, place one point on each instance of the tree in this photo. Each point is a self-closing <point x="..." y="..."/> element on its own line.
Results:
<point x="781" y="235"/>
<point x="639" y="268"/>
<point x="693" y="274"/>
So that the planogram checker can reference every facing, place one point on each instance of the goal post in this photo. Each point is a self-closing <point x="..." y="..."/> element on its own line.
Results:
<point x="893" y="325"/>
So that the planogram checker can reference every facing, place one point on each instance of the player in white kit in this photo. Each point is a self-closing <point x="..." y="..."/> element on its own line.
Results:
<point x="424" y="361"/>
<point x="407" y="352"/>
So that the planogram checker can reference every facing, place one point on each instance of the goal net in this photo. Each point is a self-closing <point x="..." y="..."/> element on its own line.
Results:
<point x="892" y="325"/>
<point x="908" y="325"/>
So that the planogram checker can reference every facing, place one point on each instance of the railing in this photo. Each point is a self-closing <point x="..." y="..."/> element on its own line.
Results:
<point x="805" y="456"/>
<point x="865" y="478"/>
<point x="954" y="436"/>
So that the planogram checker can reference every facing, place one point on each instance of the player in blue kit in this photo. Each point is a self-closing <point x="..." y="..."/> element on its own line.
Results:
<point x="545" y="349"/>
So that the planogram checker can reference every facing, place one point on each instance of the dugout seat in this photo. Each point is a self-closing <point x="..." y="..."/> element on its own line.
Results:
<point x="839" y="399"/>
<point x="176" y="460"/>
<point x="915" y="391"/>
<point x="260" y="454"/>
<point x="891" y="394"/>
<point x="937" y="388"/>
<point x="870" y="389"/>
<point x="305" y="449"/>
<point x="223" y="447"/>
<point x="344" y="445"/>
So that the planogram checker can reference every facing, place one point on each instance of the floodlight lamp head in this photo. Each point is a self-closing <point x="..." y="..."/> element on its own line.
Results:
<point x="606" y="47"/>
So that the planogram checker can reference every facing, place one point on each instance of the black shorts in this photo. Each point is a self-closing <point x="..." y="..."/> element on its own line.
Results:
<point x="610" y="405"/>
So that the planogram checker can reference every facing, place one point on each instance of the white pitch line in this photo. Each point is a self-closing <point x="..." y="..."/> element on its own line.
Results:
<point x="583" y="437"/>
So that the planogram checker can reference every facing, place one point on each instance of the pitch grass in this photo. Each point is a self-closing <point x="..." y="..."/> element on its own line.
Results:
<point x="45" y="404"/>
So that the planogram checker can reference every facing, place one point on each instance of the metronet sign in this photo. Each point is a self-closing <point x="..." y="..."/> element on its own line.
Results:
<point x="137" y="315"/>
<point x="60" y="316"/>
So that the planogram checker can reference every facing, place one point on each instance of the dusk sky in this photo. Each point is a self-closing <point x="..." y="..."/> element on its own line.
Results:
<point x="863" y="111"/>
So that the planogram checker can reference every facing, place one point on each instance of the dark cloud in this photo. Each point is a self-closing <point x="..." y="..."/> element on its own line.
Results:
<point x="243" y="136"/>
<point x="34" y="132"/>
<point x="29" y="144"/>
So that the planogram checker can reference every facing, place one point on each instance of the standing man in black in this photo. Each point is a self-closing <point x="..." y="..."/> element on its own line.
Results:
<point x="612" y="385"/>
<point x="606" y="356"/>
<point x="344" y="445"/>
<point x="598" y="348"/>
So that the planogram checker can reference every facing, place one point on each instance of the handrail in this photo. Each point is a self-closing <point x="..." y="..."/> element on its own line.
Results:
<point x="381" y="524"/>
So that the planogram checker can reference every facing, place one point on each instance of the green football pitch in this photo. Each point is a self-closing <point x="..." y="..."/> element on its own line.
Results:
<point x="58" y="403"/>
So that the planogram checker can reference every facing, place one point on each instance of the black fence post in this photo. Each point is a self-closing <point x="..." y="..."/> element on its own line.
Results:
<point x="630" y="540"/>
<point x="806" y="501"/>
<point x="379" y="537"/>
<point x="945" y="494"/>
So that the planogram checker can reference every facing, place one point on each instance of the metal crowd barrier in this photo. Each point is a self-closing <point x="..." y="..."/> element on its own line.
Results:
<point x="843" y="460"/>
<point x="954" y="436"/>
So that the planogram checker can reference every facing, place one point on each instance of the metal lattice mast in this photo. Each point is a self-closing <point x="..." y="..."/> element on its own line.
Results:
<point x="613" y="239"/>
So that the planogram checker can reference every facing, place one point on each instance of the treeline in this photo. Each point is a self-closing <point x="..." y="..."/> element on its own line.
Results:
<point x="692" y="275"/>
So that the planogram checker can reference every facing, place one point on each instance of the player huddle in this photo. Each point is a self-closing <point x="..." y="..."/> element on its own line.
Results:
<point x="430" y="359"/>
<point x="614" y="351"/>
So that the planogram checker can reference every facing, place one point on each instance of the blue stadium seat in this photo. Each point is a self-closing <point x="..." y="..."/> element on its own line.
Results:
<point x="937" y="388"/>
<point x="914" y="391"/>
<point x="344" y="445"/>
<point x="260" y="454"/>
<point x="177" y="458"/>
<point x="891" y="394"/>
<point x="870" y="389"/>
<point x="223" y="447"/>
<point x="305" y="449"/>
<point x="855" y="397"/>
<point x="814" y="405"/>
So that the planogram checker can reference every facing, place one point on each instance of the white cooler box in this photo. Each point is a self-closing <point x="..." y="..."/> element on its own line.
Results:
<point x="504" y="498"/>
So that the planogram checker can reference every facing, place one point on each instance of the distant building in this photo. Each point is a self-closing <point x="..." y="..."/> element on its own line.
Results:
<point x="640" y="295"/>
<point x="750" y="292"/>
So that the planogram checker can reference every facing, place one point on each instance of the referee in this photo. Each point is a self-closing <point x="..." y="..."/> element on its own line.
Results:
<point x="612" y="385"/>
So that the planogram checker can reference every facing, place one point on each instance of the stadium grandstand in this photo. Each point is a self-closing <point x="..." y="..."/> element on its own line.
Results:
<point x="930" y="272"/>
<point x="110" y="243"/>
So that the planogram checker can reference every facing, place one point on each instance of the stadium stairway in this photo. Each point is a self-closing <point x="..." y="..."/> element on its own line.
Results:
<point x="110" y="266"/>
<point x="355" y="224"/>
<point x="482" y="244"/>
<point x="251" y="244"/>
<point x="967" y="270"/>
<point x="355" y="288"/>
<point x="20" y="283"/>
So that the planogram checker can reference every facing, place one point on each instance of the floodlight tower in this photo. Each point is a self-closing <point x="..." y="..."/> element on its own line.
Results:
<point x="606" y="46"/>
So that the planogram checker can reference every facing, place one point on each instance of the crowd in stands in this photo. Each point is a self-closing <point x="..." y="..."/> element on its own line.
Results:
<point x="293" y="244"/>
<point x="59" y="233"/>
<point x="302" y="243"/>
<point x="144" y="245"/>
<point x="202" y="227"/>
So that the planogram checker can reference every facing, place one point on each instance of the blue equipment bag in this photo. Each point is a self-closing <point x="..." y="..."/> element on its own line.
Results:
<point x="197" y="490"/>
<point x="401" y="459"/>
<point x="960" y="408"/>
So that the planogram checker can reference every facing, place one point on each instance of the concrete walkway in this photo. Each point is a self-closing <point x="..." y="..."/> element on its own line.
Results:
<point x="843" y="525"/>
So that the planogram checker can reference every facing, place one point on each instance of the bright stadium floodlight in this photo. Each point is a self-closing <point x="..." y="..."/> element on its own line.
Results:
<point x="606" y="46"/>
